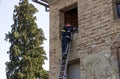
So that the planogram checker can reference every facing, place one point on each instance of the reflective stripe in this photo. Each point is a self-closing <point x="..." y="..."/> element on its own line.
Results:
<point x="68" y="31"/>
<point x="63" y="30"/>
<point x="67" y="36"/>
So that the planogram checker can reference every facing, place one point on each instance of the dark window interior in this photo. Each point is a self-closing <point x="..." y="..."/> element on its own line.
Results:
<point x="73" y="70"/>
<point x="118" y="10"/>
<point x="71" y="16"/>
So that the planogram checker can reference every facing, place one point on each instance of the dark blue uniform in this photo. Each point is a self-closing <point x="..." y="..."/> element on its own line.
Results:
<point x="66" y="38"/>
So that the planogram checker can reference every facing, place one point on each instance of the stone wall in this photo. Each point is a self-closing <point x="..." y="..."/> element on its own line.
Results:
<point x="97" y="31"/>
<point x="100" y="66"/>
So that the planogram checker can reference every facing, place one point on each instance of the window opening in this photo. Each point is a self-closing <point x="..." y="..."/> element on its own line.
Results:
<point x="118" y="10"/>
<point x="68" y="14"/>
<point x="73" y="71"/>
<point x="71" y="16"/>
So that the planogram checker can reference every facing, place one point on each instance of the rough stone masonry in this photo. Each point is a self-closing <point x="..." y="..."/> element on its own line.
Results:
<point x="97" y="42"/>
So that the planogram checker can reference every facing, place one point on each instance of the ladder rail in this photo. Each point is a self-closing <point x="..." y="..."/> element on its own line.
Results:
<point x="64" y="76"/>
<point x="64" y="71"/>
<point x="67" y="58"/>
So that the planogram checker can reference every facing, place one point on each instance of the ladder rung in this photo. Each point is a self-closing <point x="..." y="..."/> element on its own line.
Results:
<point x="61" y="71"/>
<point x="62" y="68"/>
<point x="66" y="58"/>
<point x="63" y="65"/>
<point x="60" y="77"/>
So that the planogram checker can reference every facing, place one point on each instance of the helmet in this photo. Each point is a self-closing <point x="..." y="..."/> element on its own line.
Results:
<point x="68" y="24"/>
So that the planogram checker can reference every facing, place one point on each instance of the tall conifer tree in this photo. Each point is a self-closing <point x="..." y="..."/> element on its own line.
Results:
<point x="26" y="52"/>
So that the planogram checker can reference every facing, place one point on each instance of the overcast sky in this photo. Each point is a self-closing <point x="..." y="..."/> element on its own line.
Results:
<point x="6" y="12"/>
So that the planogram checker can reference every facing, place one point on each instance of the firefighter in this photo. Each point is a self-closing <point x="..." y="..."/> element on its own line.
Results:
<point x="66" y="34"/>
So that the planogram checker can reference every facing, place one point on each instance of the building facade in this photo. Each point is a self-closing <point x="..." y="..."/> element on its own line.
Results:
<point x="95" y="49"/>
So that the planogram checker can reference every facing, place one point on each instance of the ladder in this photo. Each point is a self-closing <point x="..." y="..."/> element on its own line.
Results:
<point x="64" y="64"/>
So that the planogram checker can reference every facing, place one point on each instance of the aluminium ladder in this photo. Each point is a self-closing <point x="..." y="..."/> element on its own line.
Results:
<point x="64" y="64"/>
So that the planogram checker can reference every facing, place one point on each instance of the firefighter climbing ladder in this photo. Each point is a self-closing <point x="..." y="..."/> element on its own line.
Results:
<point x="64" y="63"/>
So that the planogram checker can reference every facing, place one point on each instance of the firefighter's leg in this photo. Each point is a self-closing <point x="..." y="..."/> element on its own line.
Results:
<point x="63" y="47"/>
<point x="67" y="46"/>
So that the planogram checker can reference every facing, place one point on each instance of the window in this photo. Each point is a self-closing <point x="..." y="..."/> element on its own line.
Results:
<point x="68" y="14"/>
<point x="71" y="16"/>
<point x="73" y="71"/>
<point x="118" y="10"/>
